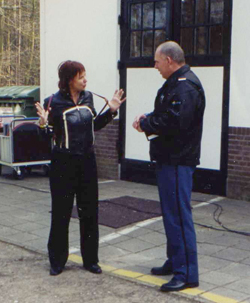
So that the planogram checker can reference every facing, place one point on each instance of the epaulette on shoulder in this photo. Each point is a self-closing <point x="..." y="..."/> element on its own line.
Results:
<point x="182" y="79"/>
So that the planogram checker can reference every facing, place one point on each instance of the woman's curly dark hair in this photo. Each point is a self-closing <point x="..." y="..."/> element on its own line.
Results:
<point x="67" y="70"/>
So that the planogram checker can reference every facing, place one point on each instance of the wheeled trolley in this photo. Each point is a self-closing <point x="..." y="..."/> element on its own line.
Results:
<point x="23" y="145"/>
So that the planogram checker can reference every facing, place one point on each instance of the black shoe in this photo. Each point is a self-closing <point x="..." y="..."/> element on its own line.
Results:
<point x="94" y="268"/>
<point x="161" y="271"/>
<point x="176" y="285"/>
<point x="55" y="271"/>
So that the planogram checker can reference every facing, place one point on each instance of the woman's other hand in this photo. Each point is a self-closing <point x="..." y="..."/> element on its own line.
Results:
<point x="116" y="101"/>
<point x="42" y="113"/>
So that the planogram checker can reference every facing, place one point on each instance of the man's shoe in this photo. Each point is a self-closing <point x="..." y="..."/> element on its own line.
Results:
<point x="176" y="285"/>
<point x="161" y="271"/>
<point x="94" y="268"/>
<point x="55" y="271"/>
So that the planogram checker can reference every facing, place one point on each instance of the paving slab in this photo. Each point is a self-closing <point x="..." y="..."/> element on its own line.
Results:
<point x="239" y="270"/>
<point x="7" y="231"/>
<point x="213" y="263"/>
<point x="120" y="239"/>
<point x="209" y="249"/>
<point x="241" y="285"/>
<point x="29" y="227"/>
<point x="42" y="233"/>
<point x="158" y="252"/>
<point x="9" y="221"/>
<point x="134" y="245"/>
<point x="155" y="237"/>
<point x="218" y="278"/>
<point x="246" y="261"/>
<point x="139" y="232"/>
<point x="111" y="252"/>
<point x="244" y="243"/>
<point x="232" y="254"/>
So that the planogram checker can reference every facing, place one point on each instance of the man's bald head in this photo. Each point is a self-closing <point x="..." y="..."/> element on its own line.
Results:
<point x="173" y="50"/>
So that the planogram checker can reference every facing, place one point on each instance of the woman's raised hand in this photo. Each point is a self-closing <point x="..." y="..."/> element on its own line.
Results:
<point x="117" y="100"/>
<point x="42" y="113"/>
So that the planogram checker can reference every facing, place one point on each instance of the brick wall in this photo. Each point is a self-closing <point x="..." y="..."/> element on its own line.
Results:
<point x="106" y="149"/>
<point x="238" y="182"/>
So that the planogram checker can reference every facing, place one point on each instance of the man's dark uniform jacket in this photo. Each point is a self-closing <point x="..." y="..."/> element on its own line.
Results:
<point x="176" y="122"/>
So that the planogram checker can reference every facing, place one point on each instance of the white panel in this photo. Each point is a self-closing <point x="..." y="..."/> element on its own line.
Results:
<point x="240" y="65"/>
<point x="212" y="81"/>
<point x="142" y="86"/>
<point x="85" y="31"/>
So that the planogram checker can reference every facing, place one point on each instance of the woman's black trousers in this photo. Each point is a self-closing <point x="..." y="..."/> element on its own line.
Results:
<point x="73" y="176"/>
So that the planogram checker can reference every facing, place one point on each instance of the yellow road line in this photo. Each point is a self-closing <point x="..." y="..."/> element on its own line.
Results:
<point x="75" y="258"/>
<point x="108" y="268"/>
<point x="127" y="273"/>
<point x="192" y="291"/>
<point x="152" y="280"/>
<point x="157" y="281"/>
<point x="217" y="298"/>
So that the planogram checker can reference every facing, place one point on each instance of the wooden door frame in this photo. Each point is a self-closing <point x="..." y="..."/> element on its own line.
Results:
<point x="205" y="180"/>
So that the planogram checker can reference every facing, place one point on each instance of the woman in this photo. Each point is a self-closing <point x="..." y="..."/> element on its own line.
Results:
<point x="73" y="166"/>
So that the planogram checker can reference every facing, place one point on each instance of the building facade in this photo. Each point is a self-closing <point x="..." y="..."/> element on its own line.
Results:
<point x="116" y="43"/>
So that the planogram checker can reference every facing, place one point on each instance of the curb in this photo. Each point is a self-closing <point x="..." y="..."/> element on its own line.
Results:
<point x="150" y="280"/>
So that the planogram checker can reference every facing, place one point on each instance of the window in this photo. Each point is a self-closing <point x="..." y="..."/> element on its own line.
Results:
<point x="202" y="24"/>
<point x="202" y="27"/>
<point x="149" y="27"/>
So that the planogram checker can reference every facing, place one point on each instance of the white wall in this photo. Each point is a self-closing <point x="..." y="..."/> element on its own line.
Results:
<point x="212" y="81"/>
<point x="142" y="85"/>
<point x="85" y="31"/>
<point x="240" y="66"/>
<point x="140" y="99"/>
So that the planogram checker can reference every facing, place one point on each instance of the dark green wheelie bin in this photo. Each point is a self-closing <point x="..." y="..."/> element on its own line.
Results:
<point x="18" y="101"/>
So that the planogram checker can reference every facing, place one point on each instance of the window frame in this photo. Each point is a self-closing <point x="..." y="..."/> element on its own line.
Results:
<point x="153" y="28"/>
<point x="175" y="34"/>
<point x="143" y="61"/>
<point x="208" y="59"/>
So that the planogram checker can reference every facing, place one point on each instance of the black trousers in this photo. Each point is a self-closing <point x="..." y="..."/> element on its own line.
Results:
<point x="70" y="176"/>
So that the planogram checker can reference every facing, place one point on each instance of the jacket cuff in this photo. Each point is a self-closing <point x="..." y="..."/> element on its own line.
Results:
<point x="114" y="114"/>
<point x="143" y="123"/>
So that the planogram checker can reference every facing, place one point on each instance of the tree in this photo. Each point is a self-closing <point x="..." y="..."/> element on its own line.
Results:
<point x="19" y="42"/>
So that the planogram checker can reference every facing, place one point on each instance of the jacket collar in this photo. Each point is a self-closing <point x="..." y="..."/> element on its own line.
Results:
<point x="177" y="74"/>
<point x="63" y="96"/>
<point x="174" y="77"/>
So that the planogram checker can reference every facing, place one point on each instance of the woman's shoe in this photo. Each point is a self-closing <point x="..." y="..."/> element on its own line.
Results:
<point x="55" y="271"/>
<point x="94" y="268"/>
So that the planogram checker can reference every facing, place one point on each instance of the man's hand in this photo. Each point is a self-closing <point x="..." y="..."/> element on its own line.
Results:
<point x="136" y="123"/>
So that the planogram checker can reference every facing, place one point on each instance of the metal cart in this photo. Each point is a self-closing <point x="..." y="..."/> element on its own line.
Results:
<point x="23" y="145"/>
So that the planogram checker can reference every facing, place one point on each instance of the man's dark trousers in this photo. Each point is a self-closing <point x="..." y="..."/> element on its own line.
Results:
<point x="175" y="187"/>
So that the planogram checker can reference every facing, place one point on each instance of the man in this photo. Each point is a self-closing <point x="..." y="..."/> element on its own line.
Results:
<point x="174" y="129"/>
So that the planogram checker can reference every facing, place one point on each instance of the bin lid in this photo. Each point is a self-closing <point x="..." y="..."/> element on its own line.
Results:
<point x="20" y="92"/>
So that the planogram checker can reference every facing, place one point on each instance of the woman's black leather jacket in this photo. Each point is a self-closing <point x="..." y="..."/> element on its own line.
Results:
<point x="74" y="125"/>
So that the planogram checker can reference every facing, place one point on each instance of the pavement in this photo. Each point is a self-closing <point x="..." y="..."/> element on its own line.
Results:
<point x="222" y="227"/>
